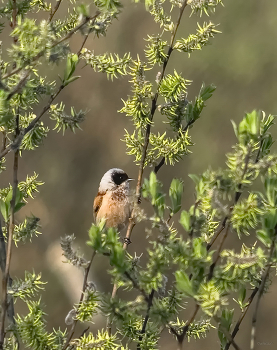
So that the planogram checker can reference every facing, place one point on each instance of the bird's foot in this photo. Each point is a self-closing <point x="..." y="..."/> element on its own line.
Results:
<point x="127" y="241"/>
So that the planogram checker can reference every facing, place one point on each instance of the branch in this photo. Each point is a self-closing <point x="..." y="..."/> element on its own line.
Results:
<point x="236" y="329"/>
<point x="252" y="296"/>
<point x="143" y="329"/>
<point x="181" y="336"/>
<point x="237" y="196"/>
<point x="17" y="142"/>
<point x="41" y="53"/>
<point x="132" y="222"/>
<point x="6" y="275"/>
<point x="52" y="13"/>
<point x="71" y="333"/>
<point x="4" y="141"/>
<point x="261" y="290"/>
<point x="148" y="129"/>
<point x="136" y="286"/>
<point x="3" y="258"/>
<point x="225" y="331"/>
<point x="20" y="84"/>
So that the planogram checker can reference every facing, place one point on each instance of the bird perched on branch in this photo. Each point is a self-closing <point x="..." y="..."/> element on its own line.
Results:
<point x="112" y="202"/>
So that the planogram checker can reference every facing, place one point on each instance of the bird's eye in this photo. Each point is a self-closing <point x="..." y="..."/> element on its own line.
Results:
<point x="119" y="178"/>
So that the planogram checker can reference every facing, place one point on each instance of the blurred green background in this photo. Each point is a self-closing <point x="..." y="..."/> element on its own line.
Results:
<point x="241" y="62"/>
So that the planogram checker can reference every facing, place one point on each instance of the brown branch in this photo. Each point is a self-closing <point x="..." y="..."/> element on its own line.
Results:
<point x="236" y="328"/>
<point x="148" y="129"/>
<point x="87" y="269"/>
<point x="218" y="252"/>
<point x="4" y="141"/>
<point x="6" y="276"/>
<point x="225" y="331"/>
<point x="3" y="258"/>
<point x="132" y="222"/>
<point x="181" y="336"/>
<point x="251" y="297"/>
<point x="52" y="13"/>
<point x="261" y="290"/>
<point x="20" y="84"/>
<point x="143" y="329"/>
<point x="41" y="53"/>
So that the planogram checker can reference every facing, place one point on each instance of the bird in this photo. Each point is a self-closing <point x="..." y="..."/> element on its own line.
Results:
<point x="112" y="201"/>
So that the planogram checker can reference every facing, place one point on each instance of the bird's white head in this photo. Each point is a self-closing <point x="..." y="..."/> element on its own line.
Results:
<point x="112" y="179"/>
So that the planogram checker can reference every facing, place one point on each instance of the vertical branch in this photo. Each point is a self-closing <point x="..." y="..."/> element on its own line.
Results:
<point x="87" y="269"/>
<point x="6" y="275"/>
<point x="4" y="141"/>
<point x="132" y="222"/>
<point x="261" y="290"/>
<point x="52" y="13"/>
<point x="7" y="305"/>
<point x="143" y="329"/>
<point x="236" y="329"/>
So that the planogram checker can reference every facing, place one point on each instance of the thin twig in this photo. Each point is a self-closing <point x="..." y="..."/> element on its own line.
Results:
<point x="136" y="286"/>
<point x="3" y="258"/>
<point x="132" y="222"/>
<point x="261" y="290"/>
<point x="143" y="329"/>
<point x="57" y="42"/>
<point x="225" y="331"/>
<point x="10" y="240"/>
<point x="71" y="333"/>
<point x="193" y="219"/>
<point x="52" y="13"/>
<point x="218" y="252"/>
<point x="236" y="329"/>
<point x="4" y="140"/>
<point x="20" y="84"/>
<point x="181" y="336"/>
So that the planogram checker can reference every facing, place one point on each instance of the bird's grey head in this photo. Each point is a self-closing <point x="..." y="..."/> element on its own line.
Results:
<point x="112" y="179"/>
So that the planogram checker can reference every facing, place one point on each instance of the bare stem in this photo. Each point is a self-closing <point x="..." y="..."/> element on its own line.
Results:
<point x="185" y="329"/>
<point x="226" y="333"/>
<point x="143" y="329"/>
<point x="71" y="333"/>
<point x="261" y="290"/>
<point x="4" y="141"/>
<point x="9" y="246"/>
<point x="236" y="329"/>
<point x="52" y="13"/>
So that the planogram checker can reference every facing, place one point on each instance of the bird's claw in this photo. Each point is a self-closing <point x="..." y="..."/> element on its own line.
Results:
<point x="127" y="241"/>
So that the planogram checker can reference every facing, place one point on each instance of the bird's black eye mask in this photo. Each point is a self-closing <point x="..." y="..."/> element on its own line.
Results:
<point x="119" y="178"/>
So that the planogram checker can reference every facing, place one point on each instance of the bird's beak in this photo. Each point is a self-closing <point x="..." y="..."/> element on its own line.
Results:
<point x="129" y="179"/>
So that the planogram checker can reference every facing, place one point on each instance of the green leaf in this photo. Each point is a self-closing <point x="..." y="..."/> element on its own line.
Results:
<point x="4" y="210"/>
<point x="185" y="220"/>
<point x="18" y="206"/>
<point x="263" y="236"/>
<point x="70" y="80"/>
<point x="183" y="283"/>
<point x="175" y="194"/>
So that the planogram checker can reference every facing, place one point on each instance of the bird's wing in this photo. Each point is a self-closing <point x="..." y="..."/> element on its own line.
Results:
<point x="97" y="204"/>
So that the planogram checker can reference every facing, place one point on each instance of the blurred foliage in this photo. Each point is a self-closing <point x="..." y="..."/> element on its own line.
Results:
<point x="179" y="266"/>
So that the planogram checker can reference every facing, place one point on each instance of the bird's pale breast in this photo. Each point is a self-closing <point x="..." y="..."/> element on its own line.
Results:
<point x="115" y="208"/>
